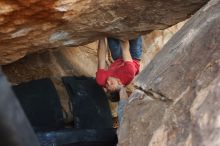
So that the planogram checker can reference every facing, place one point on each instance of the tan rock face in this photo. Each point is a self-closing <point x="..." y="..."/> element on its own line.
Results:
<point x="184" y="80"/>
<point x="77" y="61"/>
<point x="32" y="25"/>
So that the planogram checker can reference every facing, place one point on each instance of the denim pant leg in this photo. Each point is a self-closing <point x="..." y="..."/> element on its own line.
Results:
<point x="136" y="48"/>
<point x="114" y="46"/>
<point x="121" y="107"/>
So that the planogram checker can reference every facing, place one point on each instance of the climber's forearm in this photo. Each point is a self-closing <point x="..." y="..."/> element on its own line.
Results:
<point x="102" y="51"/>
<point x="126" y="55"/>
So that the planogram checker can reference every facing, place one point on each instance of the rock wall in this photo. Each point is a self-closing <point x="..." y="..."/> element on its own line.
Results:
<point x="154" y="42"/>
<point x="28" y="26"/>
<point x="177" y="103"/>
<point x="78" y="61"/>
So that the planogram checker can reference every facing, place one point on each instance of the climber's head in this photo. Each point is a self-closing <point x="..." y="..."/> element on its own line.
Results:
<point x="113" y="84"/>
<point x="109" y="82"/>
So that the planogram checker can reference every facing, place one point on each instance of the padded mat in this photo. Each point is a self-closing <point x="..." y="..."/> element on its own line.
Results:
<point x="90" y="104"/>
<point x="78" y="137"/>
<point x="41" y="104"/>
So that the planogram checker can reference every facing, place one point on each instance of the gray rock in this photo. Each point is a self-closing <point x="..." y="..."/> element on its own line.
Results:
<point x="187" y="74"/>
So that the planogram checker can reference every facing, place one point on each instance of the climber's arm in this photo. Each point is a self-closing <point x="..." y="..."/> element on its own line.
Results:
<point x="102" y="51"/>
<point x="126" y="55"/>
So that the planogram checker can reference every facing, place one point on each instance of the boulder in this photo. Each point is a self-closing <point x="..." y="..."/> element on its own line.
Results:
<point x="33" y="25"/>
<point x="78" y="61"/>
<point x="181" y="85"/>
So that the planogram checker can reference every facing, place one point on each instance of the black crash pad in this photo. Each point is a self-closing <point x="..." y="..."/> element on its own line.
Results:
<point x="78" y="137"/>
<point x="90" y="104"/>
<point x="41" y="104"/>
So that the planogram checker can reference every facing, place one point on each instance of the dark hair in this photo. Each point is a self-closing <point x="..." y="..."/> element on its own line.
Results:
<point x="113" y="96"/>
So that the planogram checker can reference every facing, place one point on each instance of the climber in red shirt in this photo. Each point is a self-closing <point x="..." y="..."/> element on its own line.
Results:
<point x="121" y="72"/>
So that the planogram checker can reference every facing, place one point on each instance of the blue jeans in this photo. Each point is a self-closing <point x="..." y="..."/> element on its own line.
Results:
<point x="135" y="48"/>
<point x="121" y="108"/>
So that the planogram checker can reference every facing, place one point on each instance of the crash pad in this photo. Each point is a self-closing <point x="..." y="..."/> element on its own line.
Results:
<point x="41" y="104"/>
<point x="78" y="137"/>
<point x="90" y="104"/>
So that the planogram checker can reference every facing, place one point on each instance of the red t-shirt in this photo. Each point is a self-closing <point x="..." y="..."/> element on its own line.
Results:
<point x="123" y="70"/>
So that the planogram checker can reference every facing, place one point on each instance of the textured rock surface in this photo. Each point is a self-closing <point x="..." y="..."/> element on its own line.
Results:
<point x="154" y="42"/>
<point x="78" y="61"/>
<point x="31" y="25"/>
<point x="184" y="80"/>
